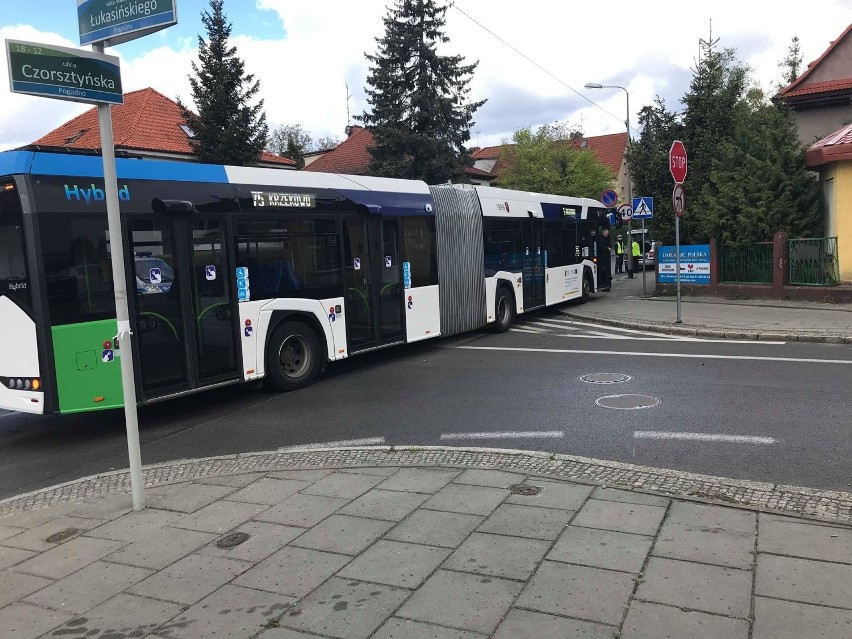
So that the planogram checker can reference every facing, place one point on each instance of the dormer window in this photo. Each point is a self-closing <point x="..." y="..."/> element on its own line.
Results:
<point x="189" y="132"/>
<point x="584" y="144"/>
<point x="76" y="136"/>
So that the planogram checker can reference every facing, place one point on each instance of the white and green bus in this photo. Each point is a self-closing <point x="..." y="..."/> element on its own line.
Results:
<point x="240" y="274"/>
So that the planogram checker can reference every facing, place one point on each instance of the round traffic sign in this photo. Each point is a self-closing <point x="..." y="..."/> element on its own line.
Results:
<point x="677" y="161"/>
<point x="626" y="212"/>
<point x="679" y="199"/>
<point x="609" y="198"/>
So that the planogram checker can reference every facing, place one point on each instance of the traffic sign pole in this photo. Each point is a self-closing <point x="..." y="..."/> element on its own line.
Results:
<point x="644" y="266"/>
<point x="677" y="266"/>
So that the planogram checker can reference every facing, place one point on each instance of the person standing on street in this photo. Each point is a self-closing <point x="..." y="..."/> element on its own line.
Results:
<point x="636" y="252"/>
<point x="619" y="255"/>
<point x="604" y="261"/>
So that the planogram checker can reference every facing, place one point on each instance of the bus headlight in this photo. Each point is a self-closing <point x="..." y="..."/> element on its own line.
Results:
<point x="21" y="383"/>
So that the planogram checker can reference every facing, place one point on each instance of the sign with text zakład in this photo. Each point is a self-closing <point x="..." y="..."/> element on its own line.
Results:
<point x="59" y="72"/>
<point x="112" y="22"/>
<point x="694" y="264"/>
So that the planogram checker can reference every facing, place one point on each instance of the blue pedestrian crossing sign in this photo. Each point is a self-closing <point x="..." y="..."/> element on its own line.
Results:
<point x="643" y="208"/>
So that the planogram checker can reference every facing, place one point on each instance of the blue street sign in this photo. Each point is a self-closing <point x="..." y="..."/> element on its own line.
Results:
<point x="643" y="208"/>
<point x="609" y="198"/>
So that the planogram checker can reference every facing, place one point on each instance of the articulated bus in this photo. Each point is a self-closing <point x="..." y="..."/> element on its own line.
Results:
<point x="238" y="274"/>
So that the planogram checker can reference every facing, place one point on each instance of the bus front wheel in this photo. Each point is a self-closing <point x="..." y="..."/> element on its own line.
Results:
<point x="587" y="287"/>
<point x="293" y="356"/>
<point x="504" y="310"/>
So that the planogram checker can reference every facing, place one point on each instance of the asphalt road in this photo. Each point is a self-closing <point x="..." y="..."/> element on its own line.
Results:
<point x="760" y="411"/>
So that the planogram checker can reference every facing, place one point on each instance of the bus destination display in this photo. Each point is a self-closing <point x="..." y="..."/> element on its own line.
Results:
<point x="290" y="200"/>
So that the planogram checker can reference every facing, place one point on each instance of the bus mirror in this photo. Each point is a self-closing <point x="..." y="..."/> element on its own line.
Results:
<point x="171" y="206"/>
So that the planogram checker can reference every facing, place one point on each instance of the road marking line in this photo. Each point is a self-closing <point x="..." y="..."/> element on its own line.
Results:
<point x="526" y="330"/>
<point x="366" y="441"/>
<point x="521" y="434"/>
<point x="562" y="328"/>
<point x="704" y="437"/>
<point x="667" y="339"/>
<point x="802" y="360"/>
<point x="684" y="338"/>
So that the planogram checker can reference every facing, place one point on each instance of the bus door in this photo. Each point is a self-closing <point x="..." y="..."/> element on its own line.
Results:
<point x="183" y="309"/>
<point x="532" y="245"/>
<point x="373" y="282"/>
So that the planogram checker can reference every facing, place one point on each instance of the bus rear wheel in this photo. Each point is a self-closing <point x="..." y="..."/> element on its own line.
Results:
<point x="587" y="287"/>
<point x="504" y="310"/>
<point x="293" y="356"/>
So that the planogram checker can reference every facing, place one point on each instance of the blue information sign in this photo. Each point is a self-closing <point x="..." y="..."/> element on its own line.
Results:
<point x="694" y="264"/>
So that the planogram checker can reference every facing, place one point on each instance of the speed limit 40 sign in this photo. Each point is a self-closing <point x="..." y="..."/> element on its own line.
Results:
<point x="626" y="212"/>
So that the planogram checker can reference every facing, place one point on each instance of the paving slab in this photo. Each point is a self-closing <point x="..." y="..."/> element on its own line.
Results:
<point x="473" y="500"/>
<point x="237" y="481"/>
<point x="343" y="534"/>
<point x="68" y="557"/>
<point x="706" y="545"/>
<point x="190" y="579"/>
<point x="692" y="514"/>
<point x="231" y="611"/>
<point x="419" y="480"/>
<point x="459" y="600"/>
<point x="588" y="593"/>
<point x="806" y="580"/>
<point x="345" y="485"/>
<point x="601" y="549"/>
<point x="264" y="539"/>
<point x="345" y="608"/>
<point x="629" y="497"/>
<point x="714" y="589"/>
<point x="34" y="538"/>
<point x="292" y="571"/>
<point x="302" y="510"/>
<point x="22" y="621"/>
<point x="435" y="528"/>
<point x="310" y="475"/>
<point x="220" y="516"/>
<point x="86" y="588"/>
<point x="498" y="556"/>
<point x="39" y="516"/>
<point x="379" y="471"/>
<point x="492" y="478"/>
<point x="396" y="563"/>
<point x="777" y="619"/>
<point x="269" y="491"/>
<point x="161" y="548"/>
<point x="285" y="633"/>
<point x="9" y="531"/>
<point x="185" y="497"/>
<point x="135" y="525"/>
<point x="621" y="517"/>
<point x="527" y="521"/>
<point x="553" y="494"/>
<point x="529" y="624"/>
<point x="788" y="536"/>
<point x="648" y="620"/>
<point x="106" y="508"/>
<point x="11" y="556"/>
<point x="122" y="616"/>
<point x="389" y="505"/>
<point x="406" y="629"/>
<point x="15" y="586"/>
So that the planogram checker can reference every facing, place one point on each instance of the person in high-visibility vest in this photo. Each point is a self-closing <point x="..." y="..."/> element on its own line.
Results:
<point x="619" y="255"/>
<point x="636" y="252"/>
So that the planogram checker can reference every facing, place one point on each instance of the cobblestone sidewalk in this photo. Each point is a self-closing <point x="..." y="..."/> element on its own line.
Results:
<point x="391" y="550"/>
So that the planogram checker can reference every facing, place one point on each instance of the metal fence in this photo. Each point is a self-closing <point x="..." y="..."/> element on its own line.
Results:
<point x="746" y="264"/>
<point x="814" y="262"/>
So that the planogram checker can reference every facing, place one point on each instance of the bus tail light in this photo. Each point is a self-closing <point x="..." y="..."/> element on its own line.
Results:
<point x="21" y="383"/>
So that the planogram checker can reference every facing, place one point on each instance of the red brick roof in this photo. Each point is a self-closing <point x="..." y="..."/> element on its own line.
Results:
<point x="350" y="156"/>
<point x="832" y="148"/>
<point x="147" y="121"/>
<point x="795" y="88"/>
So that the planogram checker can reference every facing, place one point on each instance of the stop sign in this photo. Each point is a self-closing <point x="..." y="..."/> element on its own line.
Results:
<point x="677" y="161"/>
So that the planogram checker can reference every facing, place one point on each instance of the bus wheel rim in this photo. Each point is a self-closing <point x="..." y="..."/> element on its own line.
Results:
<point x="294" y="356"/>
<point x="503" y="310"/>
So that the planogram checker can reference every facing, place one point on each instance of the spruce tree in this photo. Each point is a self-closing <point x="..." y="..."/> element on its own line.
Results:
<point x="227" y="128"/>
<point x="792" y="63"/>
<point x="420" y="114"/>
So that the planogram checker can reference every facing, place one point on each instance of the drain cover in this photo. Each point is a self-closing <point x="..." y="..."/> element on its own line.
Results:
<point x="63" y="535"/>
<point x="232" y="539"/>
<point x="628" y="402"/>
<point x="605" y="378"/>
<point x="524" y="489"/>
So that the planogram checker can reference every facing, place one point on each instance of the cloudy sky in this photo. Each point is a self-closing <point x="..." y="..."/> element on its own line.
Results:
<point x="305" y="52"/>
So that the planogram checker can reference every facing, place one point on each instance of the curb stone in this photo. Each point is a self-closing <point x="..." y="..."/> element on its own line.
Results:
<point x="822" y="505"/>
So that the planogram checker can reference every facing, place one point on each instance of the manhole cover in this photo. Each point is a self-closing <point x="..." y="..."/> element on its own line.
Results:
<point x="628" y="402"/>
<point x="524" y="489"/>
<point x="63" y="535"/>
<point x="605" y="378"/>
<point x="232" y="539"/>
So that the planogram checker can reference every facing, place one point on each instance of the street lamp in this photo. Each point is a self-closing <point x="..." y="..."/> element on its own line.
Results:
<point x="598" y="85"/>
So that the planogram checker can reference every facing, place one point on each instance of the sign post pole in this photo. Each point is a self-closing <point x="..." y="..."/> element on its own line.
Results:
<point x="677" y="265"/>
<point x="644" y="266"/>
<point x="119" y="278"/>
<point x="678" y="166"/>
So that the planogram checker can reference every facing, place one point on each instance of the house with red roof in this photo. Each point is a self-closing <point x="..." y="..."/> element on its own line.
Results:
<point x="350" y="157"/>
<point x="821" y="98"/>
<point x="148" y="124"/>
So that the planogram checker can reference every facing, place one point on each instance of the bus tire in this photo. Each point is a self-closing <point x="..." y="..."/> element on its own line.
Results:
<point x="504" y="310"/>
<point x="293" y="356"/>
<point x="587" y="286"/>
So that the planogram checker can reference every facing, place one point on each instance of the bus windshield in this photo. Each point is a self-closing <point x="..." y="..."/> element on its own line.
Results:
<point x="14" y="282"/>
